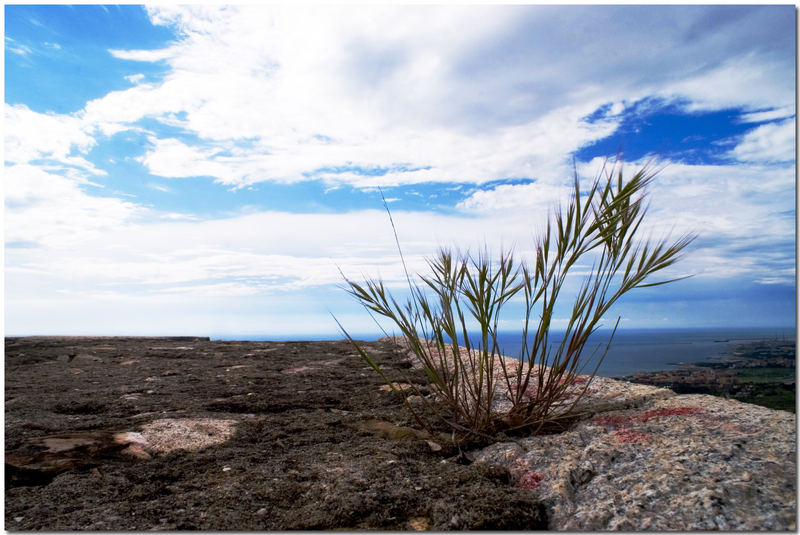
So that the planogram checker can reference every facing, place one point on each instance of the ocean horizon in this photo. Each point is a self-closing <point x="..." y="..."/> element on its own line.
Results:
<point x="631" y="351"/>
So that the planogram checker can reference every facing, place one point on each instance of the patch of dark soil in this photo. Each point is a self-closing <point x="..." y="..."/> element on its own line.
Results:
<point x="80" y="407"/>
<point x="301" y="457"/>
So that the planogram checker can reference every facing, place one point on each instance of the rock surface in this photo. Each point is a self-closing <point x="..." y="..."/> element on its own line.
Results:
<point x="649" y="459"/>
<point x="160" y="434"/>
<point x="196" y="434"/>
<point x="688" y="462"/>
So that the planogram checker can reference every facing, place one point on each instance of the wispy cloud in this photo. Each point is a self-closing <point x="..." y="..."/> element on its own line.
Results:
<point x="16" y="48"/>
<point x="135" y="78"/>
<point x="159" y="187"/>
<point x="769" y="143"/>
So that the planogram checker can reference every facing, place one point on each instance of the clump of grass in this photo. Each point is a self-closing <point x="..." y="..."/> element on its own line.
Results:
<point x="450" y="320"/>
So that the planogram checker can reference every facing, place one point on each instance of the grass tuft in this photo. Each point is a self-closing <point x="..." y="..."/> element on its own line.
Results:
<point x="450" y="321"/>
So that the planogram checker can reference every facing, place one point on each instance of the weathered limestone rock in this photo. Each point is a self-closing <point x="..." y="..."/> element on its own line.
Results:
<point x="601" y="395"/>
<point x="644" y="458"/>
<point x="42" y="458"/>
<point x="690" y="462"/>
<point x="190" y="434"/>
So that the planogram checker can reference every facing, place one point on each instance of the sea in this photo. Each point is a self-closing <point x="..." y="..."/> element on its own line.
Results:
<point x="639" y="350"/>
<point x="631" y="350"/>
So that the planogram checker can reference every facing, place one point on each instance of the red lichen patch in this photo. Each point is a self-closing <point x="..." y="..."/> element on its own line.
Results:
<point x="630" y="436"/>
<point x="622" y="424"/>
<point x="618" y="422"/>
<point x="532" y="391"/>
<point x="510" y="371"/>
<point x="612" y="420"/>
<point x="575" y="381"/>
<point x="529" y="480"/>
<point x="677" y="411"/>
<point x="522" y="474"/>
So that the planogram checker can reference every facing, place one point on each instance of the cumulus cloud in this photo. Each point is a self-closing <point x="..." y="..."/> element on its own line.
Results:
<point x="30" y="135"/>
<point x="744" y="215"/>
<point x="408" y="86"/>
<point x="534" y="197"/>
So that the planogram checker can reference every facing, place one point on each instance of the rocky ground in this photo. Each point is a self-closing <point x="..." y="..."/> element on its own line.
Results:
<point x="164" y="434"/>
<point x="304" y="451"/>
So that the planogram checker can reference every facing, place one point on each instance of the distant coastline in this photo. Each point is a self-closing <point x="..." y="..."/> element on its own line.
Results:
<point x="763" y="372"/>
<point x="641" y="350"/>
<point x="632" y="351"/>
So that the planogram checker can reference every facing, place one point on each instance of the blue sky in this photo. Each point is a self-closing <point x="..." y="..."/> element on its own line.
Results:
<point x="209" y="170"/>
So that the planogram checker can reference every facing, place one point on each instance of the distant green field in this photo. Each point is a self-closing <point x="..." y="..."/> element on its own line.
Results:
<point x="764" y="375"/>
<point x="777" y="398"/>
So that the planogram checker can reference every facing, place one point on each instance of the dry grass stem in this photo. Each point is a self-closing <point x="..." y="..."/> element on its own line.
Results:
<point x="450" y="320"/>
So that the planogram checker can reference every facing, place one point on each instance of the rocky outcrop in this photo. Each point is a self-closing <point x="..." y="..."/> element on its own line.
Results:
<point x="40" y="459"/>
<point x="645" y="458"/>
<point x="671" y="462"/>
<point x="302" y="435"/>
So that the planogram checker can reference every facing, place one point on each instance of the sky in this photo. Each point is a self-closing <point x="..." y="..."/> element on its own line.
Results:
<point x="215" y="171"/>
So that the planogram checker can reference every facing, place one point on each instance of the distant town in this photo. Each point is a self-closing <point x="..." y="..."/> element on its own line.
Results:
<point x="762" y="373"/>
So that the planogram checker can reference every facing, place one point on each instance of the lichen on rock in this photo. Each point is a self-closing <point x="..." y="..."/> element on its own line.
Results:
<point x="688" y="462"/>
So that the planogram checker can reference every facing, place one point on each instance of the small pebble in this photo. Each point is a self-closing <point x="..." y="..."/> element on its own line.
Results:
<point x="19" y="518"/>
<point x="434" y="446"/>
<point x="226" y="469"/>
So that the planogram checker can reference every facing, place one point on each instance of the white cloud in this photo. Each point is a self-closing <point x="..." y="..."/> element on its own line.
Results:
<point x="177" y="275"/>
<point x="51" y="210"/>
<point x="535" y="197"/>
<point x="737" y="212"/>
<point x="158" y="187"/>
<point x="769" y="143"/>
<point x="768" y="115"/>
<point x="135" y="78"/>
<point x="383" y="97"/>
<point x="748" y="81"/>
<point x="105" y="246"/>
<point x="368" y="86"/>
<point x="17" y="48"/>
<point x="31" y="136"/>
<point x="143" y="55"/>
<point x="466" y="94"/>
